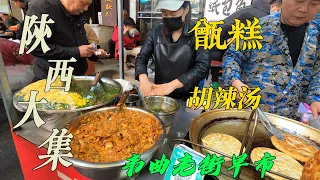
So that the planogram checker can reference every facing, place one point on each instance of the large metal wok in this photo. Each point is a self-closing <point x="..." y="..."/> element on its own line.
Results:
<point x="111" y="171"/>
<point x="85" y="82"/>
<point x="234" y="122"/>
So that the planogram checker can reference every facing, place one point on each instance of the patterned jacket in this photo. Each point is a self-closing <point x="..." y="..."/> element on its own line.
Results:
<point x="271" y="68"/>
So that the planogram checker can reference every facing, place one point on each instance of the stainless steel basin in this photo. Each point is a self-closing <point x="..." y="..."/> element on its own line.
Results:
<point x="111" y="171"/>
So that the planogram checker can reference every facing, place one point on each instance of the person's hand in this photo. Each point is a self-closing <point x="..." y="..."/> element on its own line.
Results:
<point x="315" y="108"/>
<point x="145" y="85"/>
<point x="86" y="51"/>
<point x="126" y="29"/>
<point x="238" y="85"/>
<point x="162" y="89"/>
<point x="100" y="53"/>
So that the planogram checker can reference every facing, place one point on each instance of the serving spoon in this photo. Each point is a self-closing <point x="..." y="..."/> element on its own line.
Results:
<point x="120" y="104"/>
<point x="104" y="129"/>
<point x="94" y="85"/>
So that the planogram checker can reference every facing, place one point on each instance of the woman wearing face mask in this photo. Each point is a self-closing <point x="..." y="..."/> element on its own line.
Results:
<point x="178" y="66"/>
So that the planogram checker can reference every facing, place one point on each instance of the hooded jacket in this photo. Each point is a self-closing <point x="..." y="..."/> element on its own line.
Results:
<point x="258" y="9"/>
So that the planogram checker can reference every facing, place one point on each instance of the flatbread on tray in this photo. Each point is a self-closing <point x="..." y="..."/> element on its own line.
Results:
<point x="283" y="163"/>
<point x="311" y="170"/>
<point x="294" y="147"/>
<point x="223" y="143"/>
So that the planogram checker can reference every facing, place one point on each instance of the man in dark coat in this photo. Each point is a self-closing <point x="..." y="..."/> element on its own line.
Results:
<point x="68" y="36"/>
<point x="258" y="9"/>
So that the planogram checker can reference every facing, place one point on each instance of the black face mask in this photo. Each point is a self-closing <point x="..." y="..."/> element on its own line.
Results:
<point x="173" y="23"/>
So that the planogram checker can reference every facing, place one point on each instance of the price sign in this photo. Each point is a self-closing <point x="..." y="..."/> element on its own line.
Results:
<point x="109" y="12"/>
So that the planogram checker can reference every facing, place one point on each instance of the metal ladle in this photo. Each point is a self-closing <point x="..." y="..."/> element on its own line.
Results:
<point x="120" y="104"/>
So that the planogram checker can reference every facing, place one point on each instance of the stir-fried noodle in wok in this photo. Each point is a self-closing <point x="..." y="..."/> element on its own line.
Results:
<point x="99" y="139"/>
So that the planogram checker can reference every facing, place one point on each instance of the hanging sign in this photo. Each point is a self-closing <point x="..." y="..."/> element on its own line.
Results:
<point x="109" y="12"/>
<point x="216" y="10"/>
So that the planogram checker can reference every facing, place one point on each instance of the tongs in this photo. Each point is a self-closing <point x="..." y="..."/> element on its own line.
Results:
<point x="141" y="97"/>
<point x="267" y="124"/>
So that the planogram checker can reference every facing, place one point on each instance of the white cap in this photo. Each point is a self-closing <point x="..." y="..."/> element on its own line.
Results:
<point x="170" y="5"/>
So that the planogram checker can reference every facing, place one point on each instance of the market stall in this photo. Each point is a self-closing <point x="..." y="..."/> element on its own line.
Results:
<point x="181" y="125"/>
<point x="105" y="132"/>
<point x="29" y="136"/>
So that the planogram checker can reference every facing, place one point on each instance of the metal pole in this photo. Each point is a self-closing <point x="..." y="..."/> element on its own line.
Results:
<point x="10" y="10"/>
<point x="6" y="94"/>
<point x="120" y="37"/>
<point x="202" y="8"/>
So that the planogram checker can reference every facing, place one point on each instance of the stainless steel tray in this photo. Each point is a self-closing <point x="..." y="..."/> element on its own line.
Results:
<point x="84" y="82"/>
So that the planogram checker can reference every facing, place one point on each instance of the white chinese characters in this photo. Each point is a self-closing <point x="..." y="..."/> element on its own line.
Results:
<point x="57" y="144"/>
<point x="40" y="32"/>
<point x="65" y="76"/>
<point x="32" y="108"/>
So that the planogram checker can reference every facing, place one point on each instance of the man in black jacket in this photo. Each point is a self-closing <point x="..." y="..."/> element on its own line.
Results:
<point x="258" y="9"/>
<point x="68" y="35"/>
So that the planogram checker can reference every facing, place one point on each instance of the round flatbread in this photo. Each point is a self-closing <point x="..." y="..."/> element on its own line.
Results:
<point x="283" y="163"/>
<point x="311" y="170"/>
<point x="223" y="143"/>
<point x="294" y="147"/>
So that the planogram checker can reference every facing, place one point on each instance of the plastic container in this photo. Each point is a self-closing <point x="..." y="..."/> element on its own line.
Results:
<point x="305" y="117"/>
<point x="315" y="123"/>
<point x="132" y="100"/>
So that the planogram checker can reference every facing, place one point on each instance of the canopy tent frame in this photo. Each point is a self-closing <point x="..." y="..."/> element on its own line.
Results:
<point x="120" y="37"/>
<point x="6" y="94"/>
